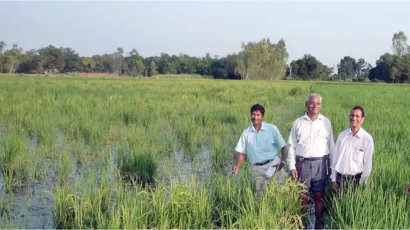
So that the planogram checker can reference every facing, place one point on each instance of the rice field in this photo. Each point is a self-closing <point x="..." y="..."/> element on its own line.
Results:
<point x="157" y="153"/>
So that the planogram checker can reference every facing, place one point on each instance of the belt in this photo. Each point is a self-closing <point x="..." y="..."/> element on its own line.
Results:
<point x="264" y="163"/>
<point x="310" y="159"/>
<point x="349" y="176"/>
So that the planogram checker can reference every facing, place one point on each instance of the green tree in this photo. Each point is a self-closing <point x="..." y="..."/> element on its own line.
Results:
<point x="119" y="53"/>
<point x="362" y="70"/>
<point x="88" y="64"/>
<point x="71" y="59"/>
<point x="399" y="46"/>
<point x="30" y="63"/>
<point x="347" y="68"/>
<point x="309" y="68"/>
<point x="12" y="58"/>
<point x="52" y="59"/>
<point x="2" y="59"/>
<point x="152" y="69"/>
<point x="135" y="63"/>
<point x="383" y="69"/>
<point x="262" y="60"/>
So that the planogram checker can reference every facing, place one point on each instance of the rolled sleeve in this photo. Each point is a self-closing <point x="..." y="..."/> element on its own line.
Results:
<point x="241" y="145"/>
<point x="279" y="139"/>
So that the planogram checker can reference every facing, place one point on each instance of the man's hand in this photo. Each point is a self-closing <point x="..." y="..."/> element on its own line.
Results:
<point x="408" y="189"/>
<point x="294" y="174"/>
<point x="335" y="187"/>
<point x="235" y="169"/>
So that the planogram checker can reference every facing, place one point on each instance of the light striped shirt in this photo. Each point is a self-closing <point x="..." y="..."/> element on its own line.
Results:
<point x="353" y="154"/>
<point x="309" y="138"/>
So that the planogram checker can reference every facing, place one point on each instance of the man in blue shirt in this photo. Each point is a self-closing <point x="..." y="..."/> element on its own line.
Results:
<point x="260" y="143"/>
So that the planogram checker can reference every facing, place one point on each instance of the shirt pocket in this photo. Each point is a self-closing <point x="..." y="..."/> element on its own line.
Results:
<point x="322" y="136"/>
<point x="268" y="144"/>
<point x="358" y="155"/>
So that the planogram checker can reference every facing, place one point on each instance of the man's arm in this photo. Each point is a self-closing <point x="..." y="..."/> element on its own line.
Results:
<point x="241" y="149"/>
<point x="239" y="160"/>
<point x="283" y="157"/>
<point x="282" y="145"/>
<point x="292" y="148"/>
<point x="335" y="157"/>
<point x="367" y="161"/>
<point x="331" y="146"/>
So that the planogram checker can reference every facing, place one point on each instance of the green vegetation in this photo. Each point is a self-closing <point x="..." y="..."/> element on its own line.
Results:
<point x="155" y="153"/>
<point x="256" y="60"/>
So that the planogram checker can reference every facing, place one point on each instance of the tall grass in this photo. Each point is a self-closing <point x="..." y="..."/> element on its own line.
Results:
<point x="383" y="203"/>
<point x="119" y="131"/>
<point x="13" y="161"/>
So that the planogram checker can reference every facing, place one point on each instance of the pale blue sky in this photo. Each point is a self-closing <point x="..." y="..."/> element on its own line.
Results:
<point x="327" y="30"/>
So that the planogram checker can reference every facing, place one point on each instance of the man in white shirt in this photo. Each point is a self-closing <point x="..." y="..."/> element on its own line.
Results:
<point x="311" y="146"/>
<point x="352" y="161"/>
<point x="260" y="143"/>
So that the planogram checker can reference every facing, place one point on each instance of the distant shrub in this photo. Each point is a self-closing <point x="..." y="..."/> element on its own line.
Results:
<point x="294" y="91"/>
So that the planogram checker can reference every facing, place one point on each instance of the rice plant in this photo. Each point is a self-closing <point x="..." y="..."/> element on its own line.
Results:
<point x="124" y="144"/>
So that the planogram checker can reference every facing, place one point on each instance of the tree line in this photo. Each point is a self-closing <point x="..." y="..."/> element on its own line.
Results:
<point x="256" y="60"/>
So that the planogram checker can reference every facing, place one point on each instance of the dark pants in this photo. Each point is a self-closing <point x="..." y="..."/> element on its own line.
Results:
<point x="346" y="181"/>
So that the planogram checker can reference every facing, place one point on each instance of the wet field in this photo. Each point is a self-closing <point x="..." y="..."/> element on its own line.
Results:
<point x="93" y="153"/>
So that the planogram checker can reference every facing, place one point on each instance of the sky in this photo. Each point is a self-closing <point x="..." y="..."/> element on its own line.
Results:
<point x="328" y="30"/>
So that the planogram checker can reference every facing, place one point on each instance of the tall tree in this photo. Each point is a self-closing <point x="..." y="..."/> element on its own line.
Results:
<point x="400" y="46"/>
<point x="72" y="61"/>
<point x="347" y="68"/>
<point x="31" y="62"/>
<point x="2" y="45"/>
<point x="120" y="52"/>
<point x="383" y="69"/>
<point x="362" y="70"/>
<point x="88" y="64"/>
<point x="53" y="59"/>
<point x="262" y="60"/>
<point x="2" y="59"/>
<point x="152" y="69"/>
<point x="12" y="57"/>
<point x="309" y="68"/>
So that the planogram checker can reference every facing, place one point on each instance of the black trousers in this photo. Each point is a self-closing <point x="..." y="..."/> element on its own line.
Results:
<point x="346" y="181"/>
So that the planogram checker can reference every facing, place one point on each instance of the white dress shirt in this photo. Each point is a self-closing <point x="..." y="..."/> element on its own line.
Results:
<point x="353" y="154"/>
<point x="309" y="138"/>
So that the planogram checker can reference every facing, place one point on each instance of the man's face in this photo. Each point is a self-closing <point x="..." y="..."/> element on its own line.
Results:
<point x="356" y="118"/>
<point x="313" y="105"/>
<point x="256" y="117"/>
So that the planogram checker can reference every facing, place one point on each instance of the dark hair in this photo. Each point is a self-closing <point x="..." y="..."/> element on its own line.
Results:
<point x="359" y="108"/>
<point x="257" y="107"/>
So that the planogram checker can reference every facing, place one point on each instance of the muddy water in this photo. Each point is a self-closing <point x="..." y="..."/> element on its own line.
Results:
<point x="181" y="168"/>
<point x="32" y="204"/>
<point x="311" y="215"/>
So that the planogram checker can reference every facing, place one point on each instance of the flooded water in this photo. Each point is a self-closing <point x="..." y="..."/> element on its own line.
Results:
<point x="31" y="206"/>
<point x="180" y="167"/>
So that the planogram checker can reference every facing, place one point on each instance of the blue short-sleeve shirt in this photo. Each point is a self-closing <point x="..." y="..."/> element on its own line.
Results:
<point x="260" y="146"/>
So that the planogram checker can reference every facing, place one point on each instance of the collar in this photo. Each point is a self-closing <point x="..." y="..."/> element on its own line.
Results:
<point x="263" y="127"/>
<point x="305" y="116"/>
<point x="359" y="133"/>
